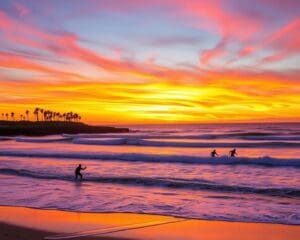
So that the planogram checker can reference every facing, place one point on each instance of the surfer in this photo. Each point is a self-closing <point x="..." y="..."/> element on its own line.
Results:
<point x="214" y="153"/>
<point x="77" y="171"/>
<point x="232" y="153"/>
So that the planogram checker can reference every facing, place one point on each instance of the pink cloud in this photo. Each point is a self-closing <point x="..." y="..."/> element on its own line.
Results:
<point x="214" y="16"/>
<point x="210" y="15"/>
<point x="66" y="45"/>
<point x="21" y="9"/>
<point x="287" y="37"/>
<point x="210" y="54"/>
<point x="8" y="60"/>
<point x="274" y="57"/>
<point x="232" y="26"/>
<point x="285" y="42"/>
<point x="247" y="50"/>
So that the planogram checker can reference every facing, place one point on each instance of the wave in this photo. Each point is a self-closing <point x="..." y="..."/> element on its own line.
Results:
<point x="217" y="144"/>
<point x="280" y="138"/>
<point x="136" y="136"/>
<point x="158" y="143"/>
<point x="102" y="141"/>
<point x="172" y="135"/>
<point x="41" y="139"/>
<point x="157" y="158"/>
<point x="194" y="184"/>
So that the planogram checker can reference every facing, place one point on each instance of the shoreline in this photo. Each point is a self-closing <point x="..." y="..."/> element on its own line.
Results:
<point x="142" y="213"/>
<point x="34" y="223"/>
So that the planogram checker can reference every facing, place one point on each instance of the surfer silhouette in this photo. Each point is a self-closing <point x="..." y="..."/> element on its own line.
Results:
<point x="214" y="153"/>
<point x="232" y="153"/>
<point x="78" y="173"/>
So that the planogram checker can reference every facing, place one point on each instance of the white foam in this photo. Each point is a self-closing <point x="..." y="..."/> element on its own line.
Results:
<point x="280" y="138"/>
<point x="139" y="136"/>
<point x="157" y="158"/>
<point x="171" y="143"/>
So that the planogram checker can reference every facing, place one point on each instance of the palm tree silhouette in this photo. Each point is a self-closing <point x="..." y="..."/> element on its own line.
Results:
<point x="27" y="114"/>
<point x="57" y="116"/>
<point x="42" y="111"/>
<point x="44" y="115"/>
<point x="36" y="112"/>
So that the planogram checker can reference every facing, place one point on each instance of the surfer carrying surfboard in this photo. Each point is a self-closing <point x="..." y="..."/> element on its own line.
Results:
<point x="214" y="153"/>
<point x="78" y="173"/>
<point x="232" y="153"/>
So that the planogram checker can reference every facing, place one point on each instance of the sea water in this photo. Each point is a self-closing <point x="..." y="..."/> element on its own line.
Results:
<point x="161" y="170"/>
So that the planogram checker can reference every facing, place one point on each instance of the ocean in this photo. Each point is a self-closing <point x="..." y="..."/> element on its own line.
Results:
<point x="161" y="169"/>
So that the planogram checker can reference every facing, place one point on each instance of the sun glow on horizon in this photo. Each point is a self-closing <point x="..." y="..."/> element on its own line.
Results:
<point x="200" y="66"/>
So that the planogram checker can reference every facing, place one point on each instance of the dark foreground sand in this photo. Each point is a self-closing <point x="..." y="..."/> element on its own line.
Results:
<point x="12" y="232"/>
<point x="32" y="224"/>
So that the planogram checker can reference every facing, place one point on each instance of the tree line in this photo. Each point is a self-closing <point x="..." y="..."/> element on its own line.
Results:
<point x="41" y="114"/>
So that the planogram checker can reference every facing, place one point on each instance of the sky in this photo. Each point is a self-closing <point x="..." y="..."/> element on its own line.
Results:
<point x="158" y="61"/>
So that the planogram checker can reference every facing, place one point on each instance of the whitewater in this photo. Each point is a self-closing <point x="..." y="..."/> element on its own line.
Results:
<point x="161" y="170"/>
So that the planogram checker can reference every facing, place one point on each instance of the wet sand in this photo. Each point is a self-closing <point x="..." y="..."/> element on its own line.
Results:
<point x="32" y="224"/>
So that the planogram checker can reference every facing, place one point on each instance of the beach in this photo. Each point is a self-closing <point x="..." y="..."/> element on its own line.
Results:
<point x="27" y="223"/>
<point x="154" y="176"/>
<point x="155" y="120"/>
<point x="164" y="171"/>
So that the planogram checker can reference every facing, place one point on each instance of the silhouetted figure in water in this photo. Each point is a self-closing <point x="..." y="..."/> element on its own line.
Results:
<point x="78" y="173"/>
<point x="232" y="153"/>
<point x="214" y="153"/>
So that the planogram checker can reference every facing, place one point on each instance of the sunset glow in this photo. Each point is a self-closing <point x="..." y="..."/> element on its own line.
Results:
<point x="162" y="61"/>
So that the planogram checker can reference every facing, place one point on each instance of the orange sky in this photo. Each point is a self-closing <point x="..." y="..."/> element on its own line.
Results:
<point x="192" y="66"/>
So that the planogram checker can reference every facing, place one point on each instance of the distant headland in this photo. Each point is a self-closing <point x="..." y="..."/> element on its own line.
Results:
<point x="49" y="123"/>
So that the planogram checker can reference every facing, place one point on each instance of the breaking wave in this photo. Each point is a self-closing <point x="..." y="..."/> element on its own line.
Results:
<point x="193" y="184"/>
<point x="164" y="136"/>
<point x="157" y="158"/>
<point x="178" y="143"/>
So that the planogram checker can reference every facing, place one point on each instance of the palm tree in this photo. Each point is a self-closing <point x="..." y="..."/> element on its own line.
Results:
<point x="6" y="115"/>
<point x="69" y="116"/>
<point x="2" y="116"/>
<point x="36" y="112"/>
<point x="45" y="115"/>
<point x="75" y="117"/>
<point x="42" y="111"/>
<point x="53" y="115"/>
<point x="12" y="114"/>
<point x="50" y="115"/>
<point x="57" y="116"/>
<point x="27" y="114"/>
